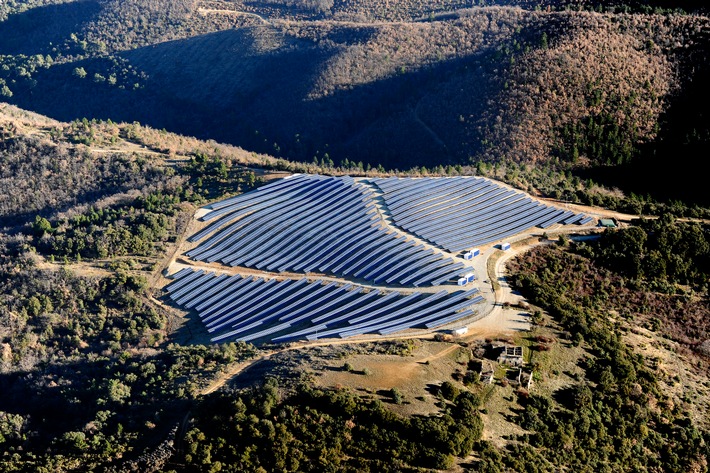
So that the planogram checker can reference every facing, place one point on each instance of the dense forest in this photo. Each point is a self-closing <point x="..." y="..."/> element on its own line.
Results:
<point x="656" y="276"/>
<point x="311" y="430"/>
<point x="656" y="273"/>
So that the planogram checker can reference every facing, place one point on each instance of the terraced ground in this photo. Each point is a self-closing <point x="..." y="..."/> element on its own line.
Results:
<point x="377" y="256"/>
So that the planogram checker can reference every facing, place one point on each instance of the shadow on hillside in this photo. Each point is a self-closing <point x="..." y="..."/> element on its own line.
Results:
<point x="21" y="396"/>
<point x="252" y="87"/>
<point x="66" y="397"/>
<point x="669" y="167"/>
<point x="192" y="330"/>
<point x="282" y="367"/>
<point x="56" y="408"/>
<point x="37" y="30"/>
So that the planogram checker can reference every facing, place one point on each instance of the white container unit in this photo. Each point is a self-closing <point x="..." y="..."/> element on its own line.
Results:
<point x="470" y="254"/>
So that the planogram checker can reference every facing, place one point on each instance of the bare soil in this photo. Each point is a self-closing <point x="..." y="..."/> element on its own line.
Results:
<point x="429" y="365"/>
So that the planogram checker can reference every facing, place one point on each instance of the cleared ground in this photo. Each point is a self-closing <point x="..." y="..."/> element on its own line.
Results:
<point x="492" y="317"/>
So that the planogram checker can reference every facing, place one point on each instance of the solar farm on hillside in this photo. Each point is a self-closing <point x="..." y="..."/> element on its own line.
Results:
<point x="310" y="257"/>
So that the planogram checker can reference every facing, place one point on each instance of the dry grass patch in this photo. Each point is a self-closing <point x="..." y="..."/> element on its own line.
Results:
<point x="500" y="405"/>
<point x="686" y="385"/>
<point x="557" y="366"/>
<point x="491" y="269"/>
<point x="428" y="365"/>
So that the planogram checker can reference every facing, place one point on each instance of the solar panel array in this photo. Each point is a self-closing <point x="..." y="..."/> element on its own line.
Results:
<point x="310" y="223"/>
<point x="331" y="225"/>
<point x="464" y="212"/>
<point x="255" y="309"/>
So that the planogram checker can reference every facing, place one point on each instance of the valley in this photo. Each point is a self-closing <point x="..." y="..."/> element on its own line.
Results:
<point x="235" y="236"/>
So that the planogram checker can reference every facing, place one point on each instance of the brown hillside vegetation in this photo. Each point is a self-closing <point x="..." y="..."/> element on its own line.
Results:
<point x="394" y="83"/>
<point x="596" y="66"/>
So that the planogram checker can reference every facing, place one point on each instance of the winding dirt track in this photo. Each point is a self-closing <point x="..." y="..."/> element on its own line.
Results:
<point x="497" y="319"/>
<point x="489" y="325"/>
<point x="214" y="11"/>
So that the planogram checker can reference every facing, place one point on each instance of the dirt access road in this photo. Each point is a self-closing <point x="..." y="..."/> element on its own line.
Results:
<point x="497" y="320"/>
<point x="493" y="287"/>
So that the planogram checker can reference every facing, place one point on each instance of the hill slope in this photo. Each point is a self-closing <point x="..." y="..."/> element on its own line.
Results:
<point x="99" y="374"/>
<point x="368" y="82"/>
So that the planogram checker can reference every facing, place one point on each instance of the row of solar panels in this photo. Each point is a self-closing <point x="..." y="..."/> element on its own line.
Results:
<point x="465" y="212"/>
<point x="255" y="309"/>
<point x="309" y="223"/>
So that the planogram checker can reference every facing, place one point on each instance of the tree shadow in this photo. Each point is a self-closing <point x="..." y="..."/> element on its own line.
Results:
<point x="240" y="86"/>
<point x="67" y="397"/>
<point x="433" y="389"/>
<point x="38" y="30"/>
<point x="565" y="396"/>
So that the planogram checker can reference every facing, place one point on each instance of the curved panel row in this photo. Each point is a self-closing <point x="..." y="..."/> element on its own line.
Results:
<point x="465" y="212"/>
<point x="308" y="223"/>
<point x="254" y="309"/>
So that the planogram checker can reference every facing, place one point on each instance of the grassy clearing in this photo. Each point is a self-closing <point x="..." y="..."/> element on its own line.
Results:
<point x="498" y="420"/>
<point x="427" y="365"/>
<point x="557" y="367"/>
<point x="491" y="268"/>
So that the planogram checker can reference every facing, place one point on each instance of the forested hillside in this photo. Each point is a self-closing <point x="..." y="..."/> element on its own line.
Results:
<point x="399" y="84"/>
<point x="98" y="373"/>
<point x="86" y="369"/>
<point x="588" y="102"/>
